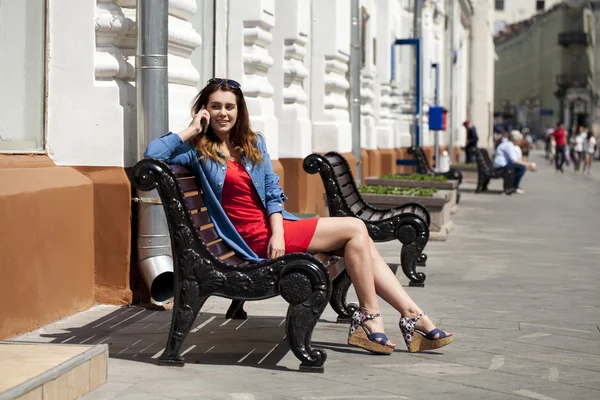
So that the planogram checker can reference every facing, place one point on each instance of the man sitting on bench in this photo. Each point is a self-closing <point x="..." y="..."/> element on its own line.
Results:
<point x="507" y="157"/>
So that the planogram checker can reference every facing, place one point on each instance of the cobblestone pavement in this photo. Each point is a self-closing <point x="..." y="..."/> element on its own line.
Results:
<point x="517" y="282"/>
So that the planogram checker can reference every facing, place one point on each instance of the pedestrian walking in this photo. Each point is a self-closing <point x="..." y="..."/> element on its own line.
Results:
<point x="561" y="144"/>
<point x="578" y="150"/>
<point x="472" y="140"/>
<point x="591" y="145"/>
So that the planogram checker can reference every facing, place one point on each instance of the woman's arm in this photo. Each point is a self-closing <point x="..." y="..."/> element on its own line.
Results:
<point x="274" y="196"/>
<point x="276" y="247"/>
<point x="170" y="147"/>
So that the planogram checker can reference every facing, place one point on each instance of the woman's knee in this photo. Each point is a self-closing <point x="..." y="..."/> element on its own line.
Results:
<point x="358" y="231"/>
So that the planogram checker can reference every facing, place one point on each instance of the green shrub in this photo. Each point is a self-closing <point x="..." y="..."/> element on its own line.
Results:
<point x="395" y="190"/>
<point x="416" y="177"/>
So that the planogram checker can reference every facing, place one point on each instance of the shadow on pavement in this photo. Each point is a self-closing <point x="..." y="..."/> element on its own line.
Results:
<point x="140" y="334"/>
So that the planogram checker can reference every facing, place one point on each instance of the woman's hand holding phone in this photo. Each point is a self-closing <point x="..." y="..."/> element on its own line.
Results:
<point x="201" y="121"/>
<point x="198" y="126"/>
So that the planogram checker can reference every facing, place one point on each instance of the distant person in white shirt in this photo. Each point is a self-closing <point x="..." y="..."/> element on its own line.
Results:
<point x="591" y="150"/>
<point x="507" y="156"/>
<point x="578" y="150"/>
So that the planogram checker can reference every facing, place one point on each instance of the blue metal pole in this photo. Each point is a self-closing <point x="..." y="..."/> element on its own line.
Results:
<point x="418" y="94"/>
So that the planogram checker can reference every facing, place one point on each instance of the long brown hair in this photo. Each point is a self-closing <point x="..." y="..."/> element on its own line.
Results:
<point x="242" y="137"/>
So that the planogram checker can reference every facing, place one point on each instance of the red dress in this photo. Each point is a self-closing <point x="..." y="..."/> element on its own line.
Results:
<point x="245" y="210"/>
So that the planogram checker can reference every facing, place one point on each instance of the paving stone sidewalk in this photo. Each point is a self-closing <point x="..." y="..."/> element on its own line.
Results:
<point x="517" y="282"/>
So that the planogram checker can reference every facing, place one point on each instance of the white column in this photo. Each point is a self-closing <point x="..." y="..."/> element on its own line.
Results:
<point x="330" y="53"/>
<point x="368" y="84"/>
<point x="250" y="34"/>
<point x="289" y="75"/>
<point x="403" y="88"/>
<point x="386" y="122"/>
<point x="427" y="89"/>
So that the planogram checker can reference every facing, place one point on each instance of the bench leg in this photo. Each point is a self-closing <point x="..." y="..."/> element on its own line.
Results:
<point x="341" y="284"/>
<point x="480" y="183"/>
<point x="306" y="304"/>
<point x="414" y="237"/>
<point x="185" y="312"/>
<point x="236" y="310"/>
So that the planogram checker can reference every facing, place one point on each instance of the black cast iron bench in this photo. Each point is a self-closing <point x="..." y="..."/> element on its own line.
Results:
<point x="423" y="166"/>
<point x="408" y="223"/>
<point x="486" y="172"/>
<point x="205" y="266"/>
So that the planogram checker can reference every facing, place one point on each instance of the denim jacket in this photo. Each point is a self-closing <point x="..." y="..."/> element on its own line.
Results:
<point x="210" y="175"/>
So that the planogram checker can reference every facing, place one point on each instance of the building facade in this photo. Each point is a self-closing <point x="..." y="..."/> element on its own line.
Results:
<point x="68" y="129"/>
<point x="545" y="70"/>
<point x="508" y="12"/>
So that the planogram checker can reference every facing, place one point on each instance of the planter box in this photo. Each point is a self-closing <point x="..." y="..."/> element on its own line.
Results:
<point x="438" y="206"/>
<point x="449" y="185"/>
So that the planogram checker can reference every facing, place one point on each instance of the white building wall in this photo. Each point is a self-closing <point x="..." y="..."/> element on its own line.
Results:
<point x="369" y="86"/>
<point x="250" y="25"/>
<point x="291" y="57"/>
<point x="387" y="13"/>
<point x="330" y="55"/>
<point x="289" y="75"/>
<point x="91" y="79"/>
<point x="482" y="71"/>
<point x="404" y="85"/>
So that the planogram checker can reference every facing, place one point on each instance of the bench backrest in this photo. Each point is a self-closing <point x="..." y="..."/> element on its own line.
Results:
<point x="420" y="157"/>
<point x="352" y="203"/>
<point x="484" y="162"/>
<point x="201" y="219"/>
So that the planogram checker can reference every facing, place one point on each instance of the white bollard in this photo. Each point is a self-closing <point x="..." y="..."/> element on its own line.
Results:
<point x="444" y="162"/>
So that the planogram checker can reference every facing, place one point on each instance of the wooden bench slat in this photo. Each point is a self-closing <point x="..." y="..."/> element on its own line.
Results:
<point x="232" y="260"/>
<point x="209" y="235"/>
<point x="366" y="214"/>
<point x="188" y="185"/>
<point x="347" y="190"/>
<point x="358" y="207"/>
<point x="388" y="214"/>
<point x="334" y="160"/>
<point x="340" y="170"/>
<point x="181" y="171"/>
<point x="376" y="216"/>
<point x="344" y="179"/>
<point x="202" y="218"/>
<point x="195" y="202"/>
<point x="352" y="199"/>
<point x="218" y="248"/>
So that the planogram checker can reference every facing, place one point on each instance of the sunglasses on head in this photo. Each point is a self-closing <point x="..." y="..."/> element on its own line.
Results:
<point x="229" y="82"/>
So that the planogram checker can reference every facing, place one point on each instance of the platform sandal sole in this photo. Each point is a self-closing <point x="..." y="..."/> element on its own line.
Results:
<point x="360" y="339"/>
<point x="420" y="343"/>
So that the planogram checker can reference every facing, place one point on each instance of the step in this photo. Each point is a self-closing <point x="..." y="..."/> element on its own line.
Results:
<point x="32" y="371"/>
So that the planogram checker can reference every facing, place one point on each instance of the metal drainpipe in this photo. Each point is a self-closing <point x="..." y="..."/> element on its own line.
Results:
<point x="355" y="85"/>
<point x="151" y="80"/>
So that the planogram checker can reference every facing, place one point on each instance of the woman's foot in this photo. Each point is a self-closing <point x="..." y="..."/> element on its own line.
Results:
<point x="421" y="334"/>
<point x="366" y="331"/>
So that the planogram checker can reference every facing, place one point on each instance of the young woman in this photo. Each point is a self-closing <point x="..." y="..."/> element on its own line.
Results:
<point x="243" y="195"/>
<point x="591" y="151"/>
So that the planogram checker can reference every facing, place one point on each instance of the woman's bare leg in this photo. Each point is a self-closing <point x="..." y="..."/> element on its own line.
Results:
<point x="390" y="290"/>
<point x="350" y="235"/>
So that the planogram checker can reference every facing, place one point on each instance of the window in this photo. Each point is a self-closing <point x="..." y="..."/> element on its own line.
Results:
<point x="540" y="5"/>
<point x="22" y="78"/>
<point x="499" y="5"/>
